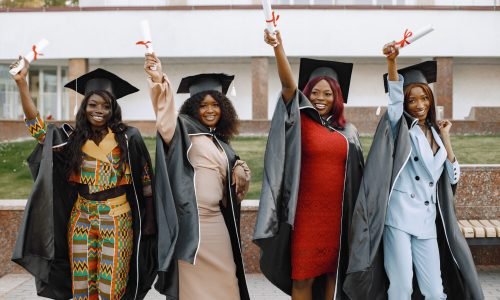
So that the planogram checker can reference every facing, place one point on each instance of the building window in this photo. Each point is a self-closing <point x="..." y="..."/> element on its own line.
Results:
<point x="10" y="106"/>
<point x="46" y="89"/>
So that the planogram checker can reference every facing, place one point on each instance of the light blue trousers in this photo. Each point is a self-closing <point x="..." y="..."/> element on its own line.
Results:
<point x="401" y="251"/>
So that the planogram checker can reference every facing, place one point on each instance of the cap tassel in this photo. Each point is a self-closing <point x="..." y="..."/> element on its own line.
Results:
<point x="233" y="91"/>
<point x="75" y="111"/>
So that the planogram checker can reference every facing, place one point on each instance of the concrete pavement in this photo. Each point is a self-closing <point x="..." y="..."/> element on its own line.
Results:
<point x="22" y="287"/>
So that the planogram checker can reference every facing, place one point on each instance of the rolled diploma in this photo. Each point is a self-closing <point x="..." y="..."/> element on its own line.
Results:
<point x="419" y="33"/>
<point x="268" y="14"/>
<point x="146" y="34"/>
<point x="29" y="56"/>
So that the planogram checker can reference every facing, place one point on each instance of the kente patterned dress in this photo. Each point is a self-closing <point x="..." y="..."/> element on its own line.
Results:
<point x="100" y="233"/>
<point x="316" y="233"/>
<point x="213" y="274"/>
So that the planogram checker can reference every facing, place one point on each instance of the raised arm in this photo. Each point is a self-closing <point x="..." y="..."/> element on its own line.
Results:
<point x="288" y="84"/>
<point x="395" y="84"/>
<point x="29" y="106"/>
<point x="35" y="123"/>
<point x="161" y="97"/>
<point x="391" y="53"/>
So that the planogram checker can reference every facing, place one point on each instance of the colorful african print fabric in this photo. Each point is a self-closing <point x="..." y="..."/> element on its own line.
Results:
<point x="100" y="239"/>
<point x="37" y="128"/>
<point x="102" y="167"/>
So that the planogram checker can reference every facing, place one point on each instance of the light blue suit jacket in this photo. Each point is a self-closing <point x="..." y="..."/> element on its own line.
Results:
<point x="412" y="202"/>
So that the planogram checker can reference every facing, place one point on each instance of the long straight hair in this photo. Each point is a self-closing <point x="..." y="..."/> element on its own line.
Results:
<point x="431" y="115"/>
<point x="338" y="119"/>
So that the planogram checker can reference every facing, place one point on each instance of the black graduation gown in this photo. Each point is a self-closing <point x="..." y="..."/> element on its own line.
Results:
<point x="366" y="278"/>
<point x="42" y="246"/>
<point x="178" y="211"/>
<point x="280" y="186"/>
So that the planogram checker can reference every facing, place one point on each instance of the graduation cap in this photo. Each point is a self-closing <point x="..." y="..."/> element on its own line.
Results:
<point x="100" y="79"/>
<point x="425" y="72"/>
<point x="312" y="68"/>
<point x="205" y="82"/>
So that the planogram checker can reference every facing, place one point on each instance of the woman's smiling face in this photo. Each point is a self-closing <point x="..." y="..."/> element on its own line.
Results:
<point x="322" y="98"/>
<point x="209" y="112"/>
<point x="418" y="104"/>
<point x="98" y="111"/>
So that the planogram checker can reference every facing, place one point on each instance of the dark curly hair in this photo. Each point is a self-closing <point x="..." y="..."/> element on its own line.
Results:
<point x="228" y="124"/>
<point x="83" y="131"/>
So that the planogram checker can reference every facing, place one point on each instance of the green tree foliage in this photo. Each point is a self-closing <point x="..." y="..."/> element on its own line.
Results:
<point x="36" y="3"/>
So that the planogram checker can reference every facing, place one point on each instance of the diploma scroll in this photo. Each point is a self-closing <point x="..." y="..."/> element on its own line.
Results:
<point x="30" y="56"/>
<point x="147" y="41"/>
<point x="409" y="36"/>
<point x="270" y="16"/>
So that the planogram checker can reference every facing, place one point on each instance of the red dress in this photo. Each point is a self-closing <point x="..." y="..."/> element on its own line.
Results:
<point x="316" y="233"/>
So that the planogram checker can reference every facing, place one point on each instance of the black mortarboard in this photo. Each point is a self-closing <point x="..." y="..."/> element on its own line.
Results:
<point x="312" y="68"/>
<point x="205" y="82"/>
<point x="425" y="72"/>
<point x="100" y="79"/>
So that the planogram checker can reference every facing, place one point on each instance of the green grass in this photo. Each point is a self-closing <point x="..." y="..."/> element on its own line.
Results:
<point x="16" y="181"/>
<point x="15" y="177"/>
<point x="251" y="149"/>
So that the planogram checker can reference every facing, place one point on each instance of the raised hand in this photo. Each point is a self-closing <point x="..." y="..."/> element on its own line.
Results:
<point x="152" y="61"/>
<point x="29" y="107"/>
<point x="390" y="51"/>
<point x="21" y="75"/>
<point x="272" y="39"/>
<point x="444" y="127"/>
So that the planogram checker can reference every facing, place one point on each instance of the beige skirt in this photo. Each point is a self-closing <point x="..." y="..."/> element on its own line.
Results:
<point x="213" y="276"/>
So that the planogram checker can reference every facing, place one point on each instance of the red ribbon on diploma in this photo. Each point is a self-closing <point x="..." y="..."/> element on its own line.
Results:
<point x="35" y="54"/>
<point x="404" y="41"/>
<point x="274" y="19"/>
<point x="145" y="43"/>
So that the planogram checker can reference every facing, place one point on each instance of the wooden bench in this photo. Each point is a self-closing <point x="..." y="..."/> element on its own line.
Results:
<point x="481" y="232"/>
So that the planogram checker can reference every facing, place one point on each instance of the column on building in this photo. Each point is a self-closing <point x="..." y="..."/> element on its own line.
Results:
<point x="76" y="68"/>
<point x="260" y="67"/>
<point x="443" y="88"/>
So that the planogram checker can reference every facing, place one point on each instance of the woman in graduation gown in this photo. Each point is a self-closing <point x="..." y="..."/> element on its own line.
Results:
<point x="88" y="229"/>
<point x="312" y="170"/>
<point x="200" y="184"/>
<point x="404" y="221"/>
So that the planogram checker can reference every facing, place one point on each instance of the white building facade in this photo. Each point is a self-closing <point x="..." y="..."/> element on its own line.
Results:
<point x="227" y="36"/>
